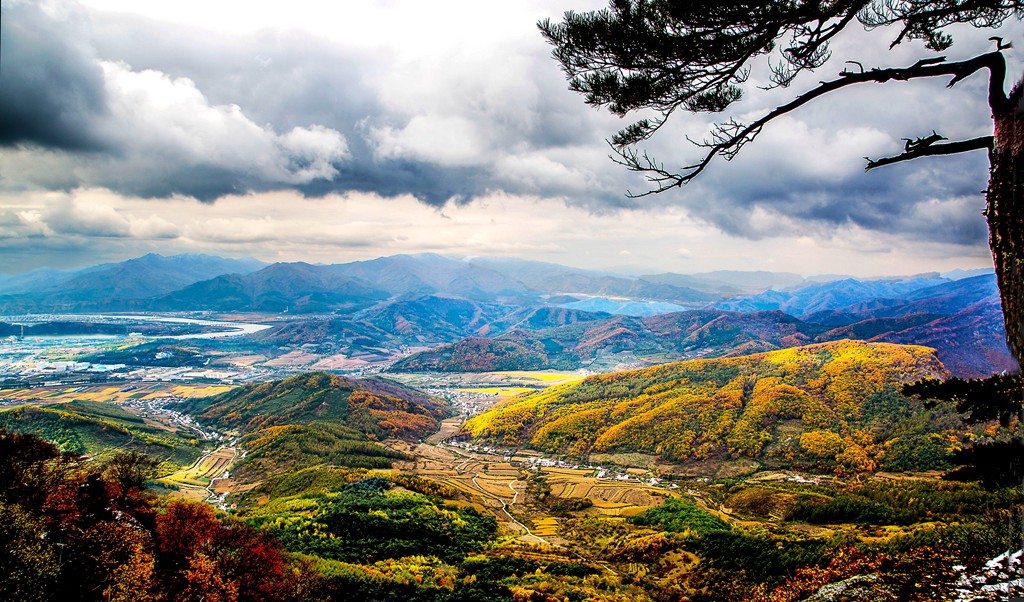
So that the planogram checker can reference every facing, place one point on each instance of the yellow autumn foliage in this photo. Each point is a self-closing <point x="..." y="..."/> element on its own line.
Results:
<point x="818" y="402"/>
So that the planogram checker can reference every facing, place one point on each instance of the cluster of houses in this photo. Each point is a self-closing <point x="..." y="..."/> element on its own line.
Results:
<point x="159" y="405"/>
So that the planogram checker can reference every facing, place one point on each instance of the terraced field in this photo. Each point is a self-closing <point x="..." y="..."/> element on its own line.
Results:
<point x="194" y="482"/>
<point x="492" y="484"/>
<point x="609" y="497"/>
<point x="545" y="527"/>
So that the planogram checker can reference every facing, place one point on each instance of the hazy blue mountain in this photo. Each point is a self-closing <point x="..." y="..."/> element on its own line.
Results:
<point x="115" y="286"/>
<point x="36" y="279"/>
<point x="431" y="319"/>
<point x="430" y="273"/>
<point x="533" y="274"/>
<point x="823" y="278"/>
<point x="767" y="301"/>
<point x="829" y="296"/>
<point x="538" y="318"/>
<point x="975" y="287"/>
<point x="943" y="299"/>
<point x="133" y="277"/>
<point x="729" y="283"/>
<point x="959" y="274"/>
<point x="557" y="280"/>
<point x="280" y="287"/>
<point x="623" y="307"/>
<point x="626" y="288"/>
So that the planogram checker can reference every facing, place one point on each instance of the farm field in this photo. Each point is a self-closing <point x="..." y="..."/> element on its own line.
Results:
<point x="500" y="392"/>
<point x="547" y="377"/>
<point x="475" y="392"/>
<point x="448" y="428"/>
<point x="109" y="393"/>
<point x="500" y="487"/>
<point x="293" y="359"/>
<point x="489" y="382"/>
<point x="493" y="486"/>
<point x="194" y="482"/>
<point x="609" y="497"/>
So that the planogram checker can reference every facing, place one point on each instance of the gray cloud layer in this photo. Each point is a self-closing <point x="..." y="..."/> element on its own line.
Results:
<point x="154" y="110"/>
<point x="52" y="87"/>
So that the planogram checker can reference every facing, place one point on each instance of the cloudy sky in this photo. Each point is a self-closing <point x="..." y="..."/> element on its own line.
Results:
<point x="331" y="132"/>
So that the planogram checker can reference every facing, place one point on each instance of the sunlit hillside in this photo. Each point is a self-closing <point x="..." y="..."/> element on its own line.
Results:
<point x="833" y="405"/>
<point x="375" y="407"/>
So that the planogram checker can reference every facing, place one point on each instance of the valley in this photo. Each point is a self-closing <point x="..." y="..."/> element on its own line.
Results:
<point x="423" y="428"/>
<point x="641" y="522"/>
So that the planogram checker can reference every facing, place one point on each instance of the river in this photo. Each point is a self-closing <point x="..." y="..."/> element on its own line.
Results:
<point x="234" y="329"/>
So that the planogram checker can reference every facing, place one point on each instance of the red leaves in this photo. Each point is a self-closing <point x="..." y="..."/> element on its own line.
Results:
<point x="203" y="557"/>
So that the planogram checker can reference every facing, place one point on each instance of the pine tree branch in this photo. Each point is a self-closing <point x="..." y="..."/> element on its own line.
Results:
<point x="730" y="137"/>
<point x="930" y="150"/>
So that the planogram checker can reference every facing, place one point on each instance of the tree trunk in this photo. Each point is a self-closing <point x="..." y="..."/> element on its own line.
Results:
<point x="1006" y="215"/>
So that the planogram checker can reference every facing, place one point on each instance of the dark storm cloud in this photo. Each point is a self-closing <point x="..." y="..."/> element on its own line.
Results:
<point x="147" y="132"/>
<point x="804" y="174"/>
<point x="203" y="182"/>
<point x="52" y="90"/>
<point x="288" y="79"/>
<point x="936" y="198"/>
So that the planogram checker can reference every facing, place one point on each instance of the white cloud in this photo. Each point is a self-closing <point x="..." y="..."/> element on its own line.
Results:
<point x="356" y="226"/>
<point x="85" y="219"/>
<point x="442" y="140"/>
<point x="157" y="118"/>
<point x="154" y="227"/>
<point x="799" y="149"/>
<point x="312" y="153"/>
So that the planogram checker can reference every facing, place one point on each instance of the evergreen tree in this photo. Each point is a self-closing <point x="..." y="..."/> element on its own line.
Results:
<point x="999" y="461"/>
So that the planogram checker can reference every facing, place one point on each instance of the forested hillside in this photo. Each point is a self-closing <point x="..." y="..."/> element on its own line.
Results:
<point x="318" y="419"/>
<point x="374" y="407"/>
<point x="85" y="427"/>
<point x="834" y="406"/>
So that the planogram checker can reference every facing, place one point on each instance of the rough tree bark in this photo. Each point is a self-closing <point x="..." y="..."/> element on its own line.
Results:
<point x="1005" y="213"/>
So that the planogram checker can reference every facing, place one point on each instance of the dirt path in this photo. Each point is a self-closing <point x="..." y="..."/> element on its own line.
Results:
<point x="214" y="498"/>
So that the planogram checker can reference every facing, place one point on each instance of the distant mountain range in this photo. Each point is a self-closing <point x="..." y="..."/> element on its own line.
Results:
<point x="828" y="296"/>
<point x="962" y="320"/>
<point x="509" y="310"/>
<point x="114" y="286"/>
<point x="191" y="282"/>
